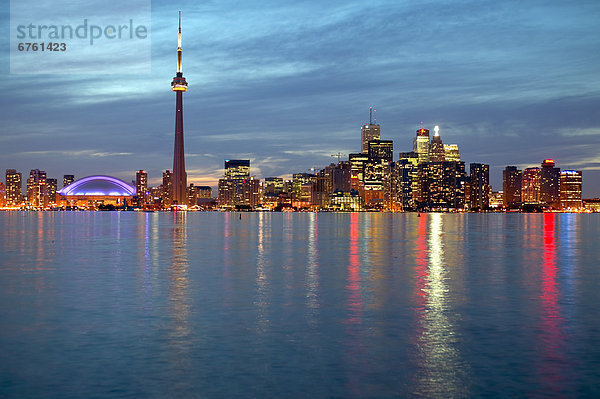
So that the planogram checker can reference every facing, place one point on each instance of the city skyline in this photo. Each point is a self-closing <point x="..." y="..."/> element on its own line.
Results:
<point x="508" y="88"/>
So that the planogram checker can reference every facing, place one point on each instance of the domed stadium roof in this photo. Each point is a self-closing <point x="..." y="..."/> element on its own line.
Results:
<point x="98" y="185"/>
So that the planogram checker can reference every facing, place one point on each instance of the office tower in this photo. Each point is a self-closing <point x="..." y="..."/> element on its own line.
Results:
<point x="369" y="132"/>
<point x="2" y="194"/>
<point x="530" y="186"/>
<point x="237" y="168"/>
<point x="511" y="187"/>
<point x="402" y="185"/>
<point x="550" y="184"/>
<point x="68" y="179"/>
<point x="273" y="186"/>
<point x="302" y="189"/>
<point x="436" y="147"/>
<point x="204" y="191"/>
<point x="239" y="193"/>
<point x="380" y="150"/>
<point x="441" y="185"/>
<point x="410" y="156"/>
<point x="167" y="188"/>
<point x="37" y="189"/>
<point x="374" y="175"/>
<point x="141" y="186"/>
<point x="238" y="190"/>
<point x="413" y="158"/>
<point x="52" y="187"/>
<point x="571" y="189"/>
<point x="421" y="145"/>
<point x="357" y="172"/>
<point x="332" y="178"/>
<point x="451" y="152"/>
<point x="480" y="186"/>
<point x="14" y="187"/>
<point x="179" y="86"/>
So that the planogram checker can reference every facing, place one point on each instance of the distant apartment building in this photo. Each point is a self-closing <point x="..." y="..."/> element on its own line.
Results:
<point x="511" y="187"/>
<point x="571" y="190"/>
<point x="479" y="198"/>
<point x="37" y="189"/>
<point x="550" y="184"/>
<point x="530" y="186"/>
<point x="14" y="187"/>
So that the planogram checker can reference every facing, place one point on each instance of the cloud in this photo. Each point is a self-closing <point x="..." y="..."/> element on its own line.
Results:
<point x="76" y="154"/>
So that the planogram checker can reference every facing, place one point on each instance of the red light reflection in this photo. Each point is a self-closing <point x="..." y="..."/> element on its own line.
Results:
<point x="552" y="334"/>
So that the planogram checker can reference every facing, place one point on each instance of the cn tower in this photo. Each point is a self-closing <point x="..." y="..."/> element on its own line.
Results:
<point x="179" y="85"/>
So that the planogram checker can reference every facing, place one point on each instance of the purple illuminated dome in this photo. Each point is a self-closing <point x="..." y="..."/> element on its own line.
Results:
<point x="99" y="185"/>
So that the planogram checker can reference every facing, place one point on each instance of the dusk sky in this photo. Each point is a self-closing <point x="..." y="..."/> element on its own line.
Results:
<point x="287" y="84"/>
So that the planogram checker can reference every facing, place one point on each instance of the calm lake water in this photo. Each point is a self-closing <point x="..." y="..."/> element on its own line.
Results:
<point x="123" y="304"/>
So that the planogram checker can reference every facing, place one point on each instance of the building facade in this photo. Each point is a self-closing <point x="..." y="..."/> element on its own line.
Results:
<point x="511" y="187"/>
<point x="550" y="184"/>
<point x="14" y="188"/>
<point x="571" y="190"/>
<point x="479" y="198"/>
<point x="530" y="186"/>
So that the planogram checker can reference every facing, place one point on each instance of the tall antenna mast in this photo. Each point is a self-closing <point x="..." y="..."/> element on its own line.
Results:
<point x="370" y="115"/>
<point x="179" y="51"/>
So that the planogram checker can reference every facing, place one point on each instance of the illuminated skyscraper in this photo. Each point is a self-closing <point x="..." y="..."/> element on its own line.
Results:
<point x="68" y="179"/>
<point x="237" y="168"/>
<point x="179" y="85"/>
<point x="381" y="150"/>
<point x="14" y="187"/>
<point x="480" y="186"/>
<point x="530" y="186"/>
<point x="421" y="145"/>
<point x="550" y="184"/>
<point x="441" y="185"/>
<point x="357" y="172"/>
<point x="167" y="188"/>
<point x="2" y="194"/>
<point x="37" y="189"/>
<point x="436" y="148"/>
<point x="141" y="186"/>
<point x="204" y="192"/>
<point x="52" y="187"/>
<point x="511" y="186"/>
<point x="273" y="186"/>
<point x="571" y="189"/>
<point x="451" y="152"/>
<point x="403" y="173"/>
<point x="238" y="189"/>
<point x="369" y="132"/>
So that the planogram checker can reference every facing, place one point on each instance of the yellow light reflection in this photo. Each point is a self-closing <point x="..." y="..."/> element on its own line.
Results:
<point x="440" y="369"/>
<point x="312" y="271"/>
<point x="262" y="282"/>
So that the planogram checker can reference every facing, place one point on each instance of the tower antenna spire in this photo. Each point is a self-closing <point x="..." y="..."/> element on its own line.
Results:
<point x="370" y="115"/>
<point x="179" y="50"/>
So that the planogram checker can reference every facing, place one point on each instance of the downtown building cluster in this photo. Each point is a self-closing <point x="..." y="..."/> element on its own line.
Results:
<point x="431" y="177"/>
<point x="40" y="193"/>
